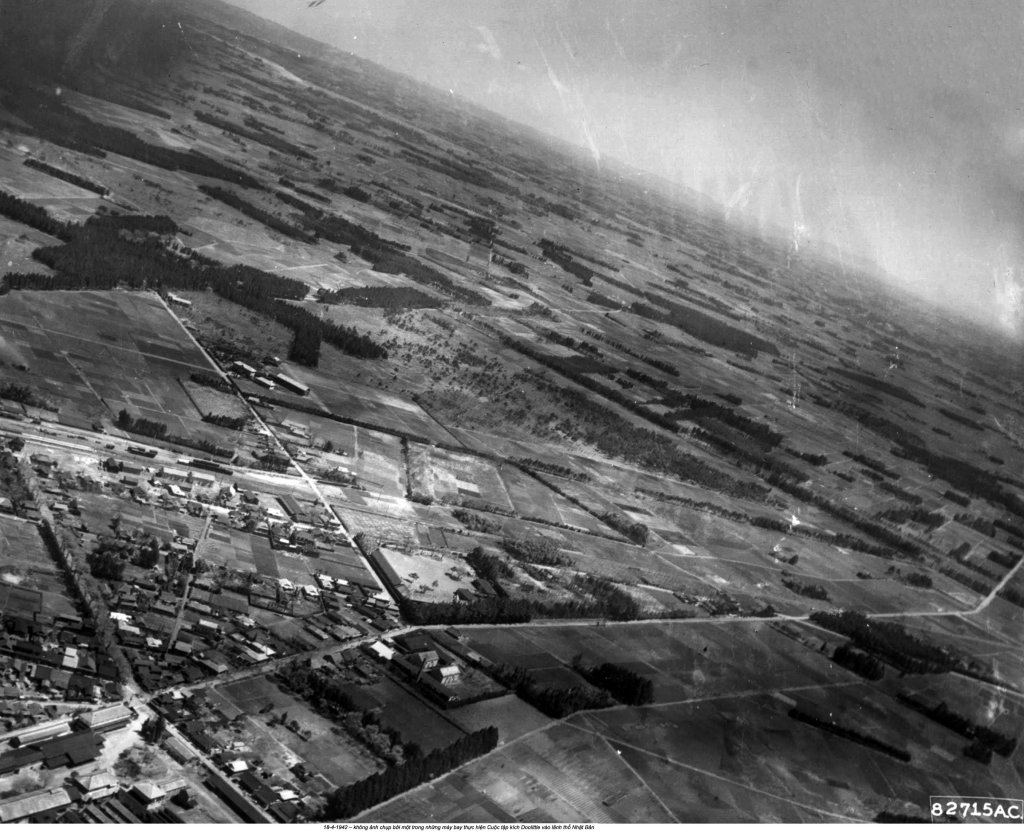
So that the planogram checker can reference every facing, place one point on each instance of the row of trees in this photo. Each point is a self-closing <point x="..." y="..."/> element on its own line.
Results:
<point x="850" y="734"/>
<point x="861" y="663"/>
<point x="889" y="641"/>
<point x="271" y="221"/>
<point x="627" y="686"/>
<point x="158" y="430"/>
<point x="612" y="434"/>
<point x="814" y="591"/>
<point x="632" y="529"/>
<point x="703" y="327"/>
<point x="17" y="209"/>
<point x="380" y="297"/>
<point x="593" y="597"/>
<point x="97" y="256"/>
<point x="538" y="550"/>
<point x="657" y="363"/>
<point x="555" y="702"/>
<point x="354" y="798"/>
<point x="67" y="176"/>
<point x="254" y="131"/>
<point x="984" y="735"/>
<point x="476" y="522"/>
<point x="47" y="115"/>
<point x="550" y="468"/>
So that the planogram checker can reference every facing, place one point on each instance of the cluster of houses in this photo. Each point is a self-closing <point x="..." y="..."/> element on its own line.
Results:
<point x="70" y="741"/>
<point x="241" y="783"/>
<point x="269" y="380"/>
<point x="146" y="485"/>
<point x="172" y="644"/>
<point x="99" y="797"/>
<point x="52" y="656"/>
<point x="436" y="663"/>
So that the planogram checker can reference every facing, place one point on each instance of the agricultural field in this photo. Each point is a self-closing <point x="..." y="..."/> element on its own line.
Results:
<point x="118" y="351"/>
<point x="328" y="751"/>
<point x="637" y="408"/>
<point x="30" y="581"/>
<point x="411" y="716"/>
<point x="368" y="406"/>
<point x="439" y="475"/>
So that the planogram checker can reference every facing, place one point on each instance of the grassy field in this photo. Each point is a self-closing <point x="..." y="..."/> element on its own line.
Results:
<point x="117" y="351"/>
<point x="415" y="720"/>
<point x="329" y="751"/>
<point x="30" y="581"/>
<point x="444" y="476"/>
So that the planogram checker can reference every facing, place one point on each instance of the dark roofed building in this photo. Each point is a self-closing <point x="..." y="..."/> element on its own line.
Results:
<point x="234" y="798"/>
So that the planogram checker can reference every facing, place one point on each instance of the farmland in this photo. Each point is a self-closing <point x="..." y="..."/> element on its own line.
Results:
<point x="336" y="356"/>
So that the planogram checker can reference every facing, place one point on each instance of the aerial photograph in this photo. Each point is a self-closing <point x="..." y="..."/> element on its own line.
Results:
<point x="547" y="412"/>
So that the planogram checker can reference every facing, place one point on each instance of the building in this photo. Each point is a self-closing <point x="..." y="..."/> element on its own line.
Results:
<point x="204" y="480"/>
<point x="35" y="803"/>
<point x="147" y="793"/>
<point x="106" y="719"/>
<point x="426" y="660"/>
<point x="174" y="474"/>
<point x="449" y="674"/>
<point x="292" y="507"/>
<point x="291" y="384"/>
<point x="96" y="784"/>
<point x="33" y="736"/>
<point x="178" y="300"/>
<point x="263" y="381"/>
<point x="226" y="790"/>
<point x="380" y="649"/>
<point x="243" y="369"/>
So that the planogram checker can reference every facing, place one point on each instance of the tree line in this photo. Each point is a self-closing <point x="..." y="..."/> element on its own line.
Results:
<point x="627" y="686"/>
<point x="861" y="663"/>
<point x="983" y="735"/>
<point x="51" y="119"/>
<point x="380" y="297"/>
<point x="158" y="430"/>
<point x="889" y="641"/>
<point x="595" y="597"/>
<point x="554" y="702"/>
<point x="354" y="798"/>
<point x="97" y="256"/>
<point x="67" y="176"/>
<point x="850" y="734"/>
<point x="702" y="326"/>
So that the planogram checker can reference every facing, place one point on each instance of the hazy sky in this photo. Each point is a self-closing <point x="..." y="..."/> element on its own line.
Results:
<point x="895" y="129"/>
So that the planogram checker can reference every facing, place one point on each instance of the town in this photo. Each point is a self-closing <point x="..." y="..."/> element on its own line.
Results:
<point x="365" y="456"/>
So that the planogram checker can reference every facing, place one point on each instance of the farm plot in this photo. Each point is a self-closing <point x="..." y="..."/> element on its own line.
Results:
<point x="509" y="714"/>
<point x="210" y="402"/>
<point x="233" y="549"/>
<point x="439" y="475"/>
<point x="328" y="751"/>
<point x="369" y="406"/>
<point x="534" y="499"/>
<point x="411" y="717"/>
<point x="30" y="581"/>
<point x="99" y="510"/>
<point x="94" y="353"/>
<point x="559" y="775"/>
<point x="731" y="740"/>
<point x="683" y="659"/>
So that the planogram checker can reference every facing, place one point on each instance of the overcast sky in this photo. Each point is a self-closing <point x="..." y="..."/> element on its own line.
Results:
<point x="895" y="129"/>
